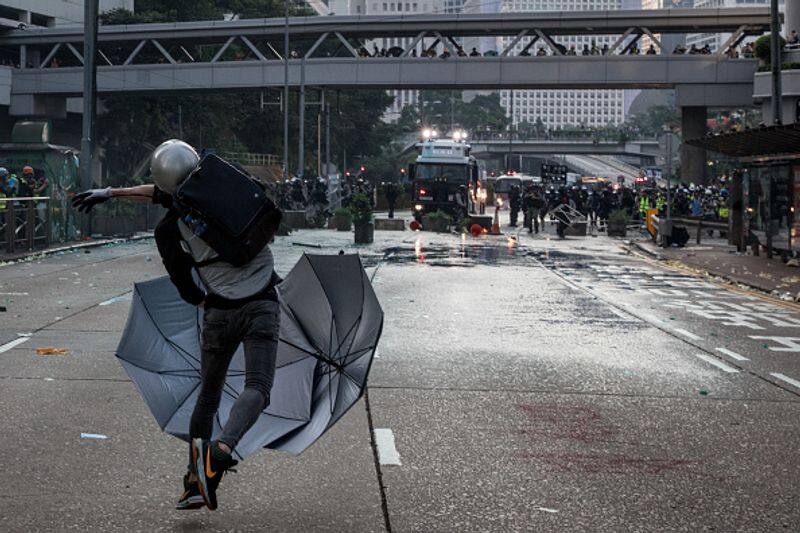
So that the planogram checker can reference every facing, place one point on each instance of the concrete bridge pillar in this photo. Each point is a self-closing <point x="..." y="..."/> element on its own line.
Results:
<point x="693" y="159"/>
<point x="791" y="15"/>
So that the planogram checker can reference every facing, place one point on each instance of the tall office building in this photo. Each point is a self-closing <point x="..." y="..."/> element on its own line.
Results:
<point x="557" y="108"/>
<point x="714" y="41"/>
<point x="53" y="12"/>
<point x="397" y="7"/>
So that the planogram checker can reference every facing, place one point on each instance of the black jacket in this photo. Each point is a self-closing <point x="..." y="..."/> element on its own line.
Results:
<point x="179" y="263"/>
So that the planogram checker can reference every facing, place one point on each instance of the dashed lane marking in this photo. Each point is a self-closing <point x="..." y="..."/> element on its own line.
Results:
<point x="719" y="364"/>
<point x="785" y="378"/>
<point x="732" y="355"/>
<point x="123" y="297"/>
<point x="387" y="452"/>
<point x="620" y="314"/>
<point x="687" y="334"/>
<point x="13" y="344"/>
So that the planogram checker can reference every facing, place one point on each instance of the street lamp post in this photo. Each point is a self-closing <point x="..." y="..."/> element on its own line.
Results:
<point x="775" y="54"/>
<point x="286" y="90"/>
<point x="668" y="142"/>
<point x="90" y="9"/>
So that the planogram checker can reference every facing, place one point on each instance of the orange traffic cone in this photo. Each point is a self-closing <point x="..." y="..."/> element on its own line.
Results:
<point x="496" y="221"/>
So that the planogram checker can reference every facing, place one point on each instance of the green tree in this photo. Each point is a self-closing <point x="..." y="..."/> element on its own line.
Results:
<point x="132" y="125"/>
<point x="446" y="110"/>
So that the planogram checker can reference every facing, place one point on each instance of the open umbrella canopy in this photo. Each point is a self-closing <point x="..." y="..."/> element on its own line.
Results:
<point x="330" y="325"/>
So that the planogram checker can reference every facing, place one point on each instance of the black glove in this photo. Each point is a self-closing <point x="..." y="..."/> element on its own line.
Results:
<point x="86" y="200"/>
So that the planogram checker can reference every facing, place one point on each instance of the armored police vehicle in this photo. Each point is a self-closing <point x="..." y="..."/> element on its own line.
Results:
<point x="445" y="177"/>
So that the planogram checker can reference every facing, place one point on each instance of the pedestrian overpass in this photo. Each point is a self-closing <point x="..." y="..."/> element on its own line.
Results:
<point x="327" y="53"/>
<point x="247" y="54"/>
<point x="498" y="147"/>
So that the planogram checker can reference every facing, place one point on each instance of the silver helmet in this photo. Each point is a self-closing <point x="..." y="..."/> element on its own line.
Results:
<point x="171" y="163"/>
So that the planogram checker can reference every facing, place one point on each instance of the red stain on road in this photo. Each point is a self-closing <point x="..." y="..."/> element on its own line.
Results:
<point x="573" y="422"/>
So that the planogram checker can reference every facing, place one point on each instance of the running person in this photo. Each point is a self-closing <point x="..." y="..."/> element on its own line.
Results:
<point x="240" y="307"/>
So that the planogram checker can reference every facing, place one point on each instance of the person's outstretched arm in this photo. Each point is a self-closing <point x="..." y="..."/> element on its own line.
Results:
<point x="86" y="200"/>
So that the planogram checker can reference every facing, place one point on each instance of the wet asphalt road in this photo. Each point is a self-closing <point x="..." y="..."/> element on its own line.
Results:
<point x="528" y="384"/>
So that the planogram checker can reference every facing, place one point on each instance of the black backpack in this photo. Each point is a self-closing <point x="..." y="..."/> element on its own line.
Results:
<point x="228" y="209"/>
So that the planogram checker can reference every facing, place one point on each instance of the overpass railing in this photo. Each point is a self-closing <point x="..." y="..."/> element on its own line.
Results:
<point x="524" y="34"/>
<point x="248" y="158"/>
<point x="25" y="224"/>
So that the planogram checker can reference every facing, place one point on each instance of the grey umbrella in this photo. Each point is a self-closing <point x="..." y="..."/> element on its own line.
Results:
<point x="330" y="325"/>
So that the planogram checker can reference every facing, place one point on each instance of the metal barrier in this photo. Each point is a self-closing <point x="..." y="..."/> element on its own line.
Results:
<point x="247" y="158"/>
<point x="701" y="224"/>
<point x="25" y="224"/>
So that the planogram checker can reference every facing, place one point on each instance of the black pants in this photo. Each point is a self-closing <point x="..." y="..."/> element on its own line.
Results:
<point x="256" y="325"/>
<point x="391" y="209"/>
<point x="514" y="215"/>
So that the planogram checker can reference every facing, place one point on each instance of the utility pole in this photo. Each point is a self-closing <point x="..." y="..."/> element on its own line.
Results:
<point x="286" y="90"/>
<point x="180" y="122"/>
<point x="319" y="134"/>
<point x="668" y="142"/>
<point x="510" y="129"/>
<point x="301" y="134"/>
<point x="327" y="138"/>
<point x="776" y="63"/>
<point x="89" y="98"/>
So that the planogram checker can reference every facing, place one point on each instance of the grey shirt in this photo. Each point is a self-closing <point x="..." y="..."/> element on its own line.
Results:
<point x="224" y="279"/>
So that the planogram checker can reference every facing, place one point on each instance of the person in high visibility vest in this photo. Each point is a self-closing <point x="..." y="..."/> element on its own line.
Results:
<point x="661" y="204"/>
<point x="723" y="211"/>
<point x="644" y="205"/>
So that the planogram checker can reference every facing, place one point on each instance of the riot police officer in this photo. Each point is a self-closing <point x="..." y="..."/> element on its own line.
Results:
<point x="514" y="204"/>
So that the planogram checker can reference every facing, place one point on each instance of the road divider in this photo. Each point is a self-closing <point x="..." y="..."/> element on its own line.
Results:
<point x="719" y="364"/>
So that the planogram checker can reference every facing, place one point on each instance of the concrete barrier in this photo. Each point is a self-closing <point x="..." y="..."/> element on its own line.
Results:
<point x="295" y="219"/>
<point x="390" y="224"/>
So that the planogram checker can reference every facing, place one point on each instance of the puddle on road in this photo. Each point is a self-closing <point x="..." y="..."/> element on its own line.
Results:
<point x="459" y="255"/>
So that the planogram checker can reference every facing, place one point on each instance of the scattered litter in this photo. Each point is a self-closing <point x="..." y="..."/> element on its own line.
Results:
<point x="3" y="309"/>
<point x="49" y="350"/>
<point x="703" y="392"/>
<point x="765" y="345"/>
<point x="87" y="251"/>
<point x="148" y="258"/>
<point x="546" y="509"/>
<point x="49" y="379"/>
<point x="24" y="334"/>
<point x="95" y="436"/>
<point x="306" y="244"/>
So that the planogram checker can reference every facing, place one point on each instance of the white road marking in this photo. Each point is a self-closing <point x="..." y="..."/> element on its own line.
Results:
<point x="651" y="318"/>
<point x="13" y="344"/>
<point x="732" y="355"/>
<point x="687" y="334"/>
<point x="620" y="314"/>
<point x="719" y="364"/>
<point x="786" y="378"/>
<point x="387" y="453"/>
<point x="95" y="436"/>
<point x="115" y="299"/>
<point x="546" y="509"/>
<point x="790" y="344"/>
